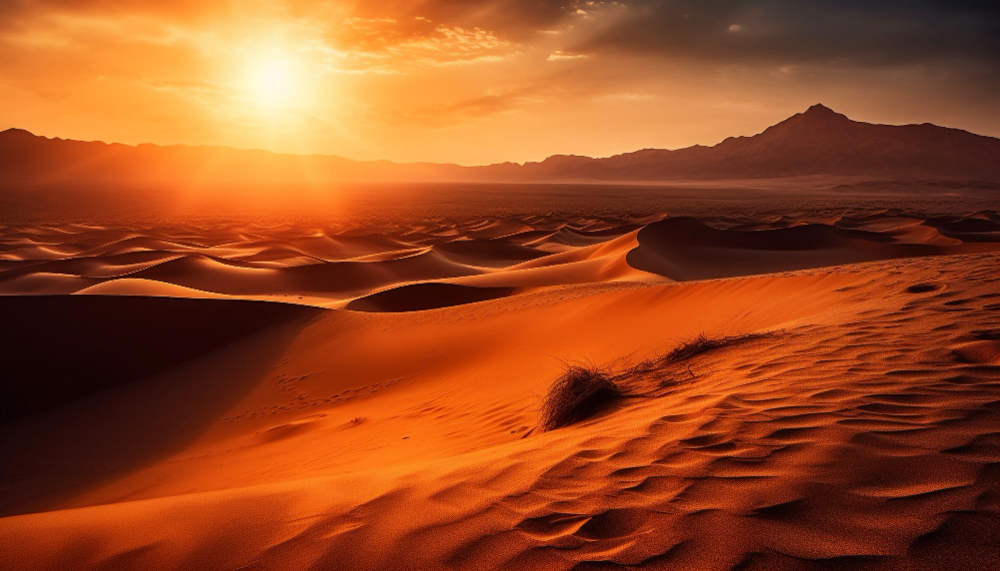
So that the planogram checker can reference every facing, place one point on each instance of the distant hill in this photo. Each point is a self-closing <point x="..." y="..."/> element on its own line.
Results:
<point x="816" y="142"/>
<point x="819" y="141"/>
<point x="28" y="160"/>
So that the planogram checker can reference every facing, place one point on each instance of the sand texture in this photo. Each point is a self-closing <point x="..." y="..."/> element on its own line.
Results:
<point x="282" y="396"/>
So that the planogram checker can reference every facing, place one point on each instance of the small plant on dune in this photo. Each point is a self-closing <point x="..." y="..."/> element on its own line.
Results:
<point x="697" y="346"/>
<point x="702" y="344"/>
<point x="576" y="396"/>
<point x="683" y="353"/>
<point x="582" y="391"/>
<point x="358" y="419"/>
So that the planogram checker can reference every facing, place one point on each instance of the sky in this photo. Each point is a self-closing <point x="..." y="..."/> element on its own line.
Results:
<point x="485" y="81"/>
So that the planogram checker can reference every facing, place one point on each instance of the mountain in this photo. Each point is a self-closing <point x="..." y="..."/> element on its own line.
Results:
<point x="816" y="142"/>
<point x="27" y="160"/>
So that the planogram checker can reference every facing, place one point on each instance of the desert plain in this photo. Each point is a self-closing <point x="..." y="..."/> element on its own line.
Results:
<point x="803" y="384"/>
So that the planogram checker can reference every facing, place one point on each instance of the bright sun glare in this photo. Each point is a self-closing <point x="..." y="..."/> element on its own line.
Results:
<point x="273" y="82"/>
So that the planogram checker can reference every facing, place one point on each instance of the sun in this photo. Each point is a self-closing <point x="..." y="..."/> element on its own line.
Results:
<point x="274" y="81"/>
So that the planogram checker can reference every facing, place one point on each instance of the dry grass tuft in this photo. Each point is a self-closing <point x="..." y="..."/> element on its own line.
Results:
<point x="697" y="346"/>
<point x="582" y="391"/>
<point x="576" y="396"/>
<point x="688" y="349"/>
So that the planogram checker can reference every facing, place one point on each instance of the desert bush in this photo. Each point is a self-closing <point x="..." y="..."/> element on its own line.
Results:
<point x="582" y="391"/>
<point x="702" y="344"/>
<point x="697" y="346"/>
<point x="576" y="396"/>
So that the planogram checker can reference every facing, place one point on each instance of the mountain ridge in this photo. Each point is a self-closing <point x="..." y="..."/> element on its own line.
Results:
<point x="818" y="141"/>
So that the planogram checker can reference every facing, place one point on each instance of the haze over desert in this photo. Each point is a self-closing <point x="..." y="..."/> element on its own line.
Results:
<point x="499" y="285"/>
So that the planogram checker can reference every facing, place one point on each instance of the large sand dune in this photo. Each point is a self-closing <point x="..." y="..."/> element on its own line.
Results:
<point x="334" y="267"/>
<point x="244" y="396"/>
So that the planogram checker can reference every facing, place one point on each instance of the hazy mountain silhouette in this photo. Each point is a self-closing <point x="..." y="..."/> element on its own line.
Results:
<point x="819" y="141"/>
<point x="816" y="142"/>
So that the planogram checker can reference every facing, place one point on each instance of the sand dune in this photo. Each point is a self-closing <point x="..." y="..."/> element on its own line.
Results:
<point x="144" y="287"/>
<point x="685" y="248"/>
<point x="490" y="253"/>
<point x="857" y="433"/>
<point x="332" y="267"/>
<point x="176" y="415"/>
<point x="416" y="297"/>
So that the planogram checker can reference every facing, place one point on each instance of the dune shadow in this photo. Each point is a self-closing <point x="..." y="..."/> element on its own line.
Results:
<point x="423" y="296"/>
<point x="98" y="387"/>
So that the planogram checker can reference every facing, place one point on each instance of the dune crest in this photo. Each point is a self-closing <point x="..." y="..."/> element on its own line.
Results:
<point x="340" y="267"/>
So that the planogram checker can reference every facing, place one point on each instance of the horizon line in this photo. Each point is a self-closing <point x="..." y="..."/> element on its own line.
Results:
<point x="816" y="107"/>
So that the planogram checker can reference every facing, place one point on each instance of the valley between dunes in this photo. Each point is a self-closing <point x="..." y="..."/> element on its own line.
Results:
<point x="244" y="396"/>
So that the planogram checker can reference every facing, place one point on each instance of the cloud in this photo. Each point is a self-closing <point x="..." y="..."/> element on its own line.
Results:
<point x="848" y="32"/>
<point x="353" y="41"/>
<point x="379" y="69"/>
<point x="386" y="45"/>
<point x="853" y="32"/>
<point x="560" y="55"/>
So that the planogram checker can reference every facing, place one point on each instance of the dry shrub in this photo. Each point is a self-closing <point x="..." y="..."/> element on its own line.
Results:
<point x="576" y="396"/>
<point x="697" y="346"/>
<point x="702" y="344"/>
<point x="582" y="391"/>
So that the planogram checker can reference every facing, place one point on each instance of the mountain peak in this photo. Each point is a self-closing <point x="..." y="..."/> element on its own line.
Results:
<point x="819" y="108"/>
<point x="14" y="131"/>
<point x="820" y="111"/>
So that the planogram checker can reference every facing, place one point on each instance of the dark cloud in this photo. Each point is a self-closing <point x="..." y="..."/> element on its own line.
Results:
<point x="862" y="32"/>
<point x="782" y="32"/>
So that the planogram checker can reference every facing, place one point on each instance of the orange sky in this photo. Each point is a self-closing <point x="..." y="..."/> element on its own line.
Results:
<point x="480" y="81"/>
